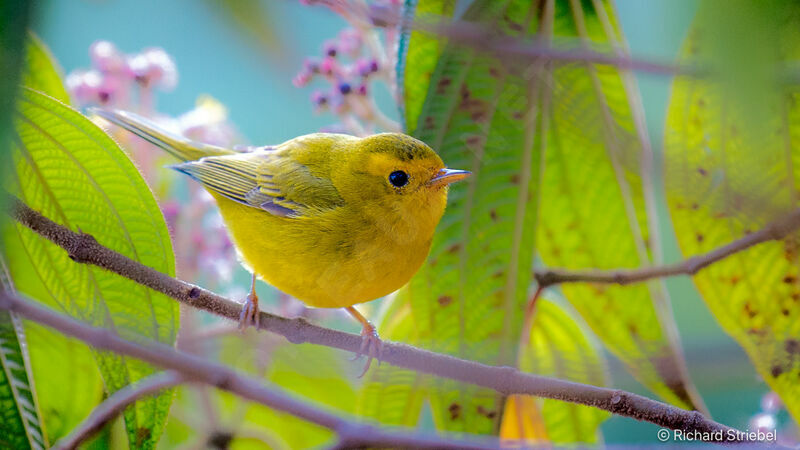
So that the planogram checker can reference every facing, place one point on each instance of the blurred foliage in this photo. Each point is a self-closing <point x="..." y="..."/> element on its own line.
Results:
<point x="70" y="170"/>
<point x="732" y="150"/>
<point x="42" y="72"/>
<point x="559" y="348"/>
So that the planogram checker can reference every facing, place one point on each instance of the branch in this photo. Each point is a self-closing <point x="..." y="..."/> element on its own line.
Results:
<point x="490" y="40"/>
<point x="190" y="367"/>
<point x="771" y="232"/>
<point x="83" y="248"/>
<point x="117" y="403"/>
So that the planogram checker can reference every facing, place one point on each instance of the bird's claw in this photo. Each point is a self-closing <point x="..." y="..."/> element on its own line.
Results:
<point x="250" y="315"/>
<point x="371" y="347"/>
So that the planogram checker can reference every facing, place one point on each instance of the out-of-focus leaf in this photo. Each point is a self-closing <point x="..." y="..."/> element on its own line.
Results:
<point x="41" y="72"/>
<point x="417" y="56"/>
<point x="57" y="361"/>
<point x="732" y="165"/>
<point x="593" y="212"/>
<point x="71" y="171"/>
<point x="558" y="348"/>
<point x="391" y="395"/>
<point x="468" y="299"/>
<point x="20" y="420"/>
<point x="14" y="18"/>
<point x="319" y="374"/>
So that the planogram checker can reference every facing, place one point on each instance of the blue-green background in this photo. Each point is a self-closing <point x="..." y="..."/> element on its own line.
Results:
<point x="214" y="58"/>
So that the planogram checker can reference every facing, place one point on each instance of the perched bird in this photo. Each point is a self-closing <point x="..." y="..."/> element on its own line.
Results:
<point x="331" y="219"/>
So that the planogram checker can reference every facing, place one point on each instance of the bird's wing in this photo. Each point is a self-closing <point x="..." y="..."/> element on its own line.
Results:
<point x="267" y="179"/>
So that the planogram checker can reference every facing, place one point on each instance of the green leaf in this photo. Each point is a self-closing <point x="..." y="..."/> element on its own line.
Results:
<point x="391" y="395"/>
<point x="20" y="420"/>
<point x="423" y="51"/>
<point x="468" y="299"/>
<point x="593" y="212"/>
<point x="321" y="374"/>
<point x="559" y="348"/>
<point x="53" y="354"/>
<point x="41" y="71"/>
<point x="732" y="165"/>
<point x="72" y="172"/>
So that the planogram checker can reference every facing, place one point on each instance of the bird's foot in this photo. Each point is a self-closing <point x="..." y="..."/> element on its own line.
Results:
<point x="250" y="315"/>
<point x="371" y="346"/>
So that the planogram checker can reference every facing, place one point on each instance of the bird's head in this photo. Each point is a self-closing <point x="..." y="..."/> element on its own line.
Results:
<point x="400" y="179"/>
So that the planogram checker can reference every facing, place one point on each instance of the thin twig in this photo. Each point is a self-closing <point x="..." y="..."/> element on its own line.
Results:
<point x="115" y="404"/>
<point x="84" y="248"/>
<point x="490" y="40"/>
<point x="195" y="368"/>
<point x="773" y="231"/>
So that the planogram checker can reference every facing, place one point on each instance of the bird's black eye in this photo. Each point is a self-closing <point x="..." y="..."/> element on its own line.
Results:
<point x="398" y="178"/>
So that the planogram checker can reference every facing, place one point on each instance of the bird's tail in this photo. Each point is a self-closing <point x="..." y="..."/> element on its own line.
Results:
<point x="176" y="145"/>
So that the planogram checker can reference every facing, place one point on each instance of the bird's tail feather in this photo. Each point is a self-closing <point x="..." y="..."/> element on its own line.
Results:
<point x="176" y="145"/>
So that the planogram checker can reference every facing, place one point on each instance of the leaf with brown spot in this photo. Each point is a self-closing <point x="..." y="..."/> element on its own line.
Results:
<point x="732" y="145"/>
<point x="593" y="164"/>
<point x="418" y="53"/>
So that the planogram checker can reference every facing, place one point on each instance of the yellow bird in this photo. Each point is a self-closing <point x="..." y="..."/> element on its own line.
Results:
<point x="331" y="219"/>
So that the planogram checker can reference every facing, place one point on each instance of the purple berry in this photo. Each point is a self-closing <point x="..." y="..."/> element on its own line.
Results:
<point x="345" y="88"/>
<point x="330" y="49"/>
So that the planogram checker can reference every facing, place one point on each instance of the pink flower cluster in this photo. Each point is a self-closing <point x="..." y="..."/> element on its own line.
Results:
<point x="351" y="62"/>
<point x="129" y="82"/>
<point x="113" y="75"/>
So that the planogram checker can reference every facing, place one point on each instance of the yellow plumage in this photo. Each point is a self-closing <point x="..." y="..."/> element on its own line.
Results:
<point x="325" y="218"/>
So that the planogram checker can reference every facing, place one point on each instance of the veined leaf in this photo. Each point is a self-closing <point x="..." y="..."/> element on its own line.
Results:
<point x="418" y="53"/>
<point x="468" y="299"/>
<point x="20" y="420"/>
<point x="391" y="395"/>
<point x="50" y="352"/>
<point x="732" y="165"/>
<point x="71" y="171"/>
<point x="593" y="212"/>
<point x="559" y="348"/>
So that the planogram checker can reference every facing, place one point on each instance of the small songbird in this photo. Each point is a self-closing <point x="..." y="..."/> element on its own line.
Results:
<point x="331" y="219"/>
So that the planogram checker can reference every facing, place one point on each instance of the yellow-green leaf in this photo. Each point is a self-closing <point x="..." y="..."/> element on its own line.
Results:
<point x="41" y="70"/>
<point x="418" y="53"/>
<point x="558" y="347"/>
<point x="468" y="299"/>
<point x="20" y="417"/>
<point x="72" y="172"/>
<point x="732" y="152"/>
<point x="593" y="212"/>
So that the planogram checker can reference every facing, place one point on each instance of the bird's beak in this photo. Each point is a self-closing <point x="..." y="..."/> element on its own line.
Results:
<point x="447" y="176"/>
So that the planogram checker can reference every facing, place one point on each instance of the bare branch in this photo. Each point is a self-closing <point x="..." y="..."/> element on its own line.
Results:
<point x="773" y="231"/>
<point x="484" y="38"/>
<point x="194" y="368"/>
<point x="115" y="404"/>
<point x="506" y="380"/>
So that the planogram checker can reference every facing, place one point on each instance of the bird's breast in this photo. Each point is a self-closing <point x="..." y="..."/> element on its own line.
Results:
<point x="336" y="258"/>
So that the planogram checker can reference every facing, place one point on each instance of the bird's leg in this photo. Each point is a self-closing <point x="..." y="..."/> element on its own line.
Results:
<point x="371" y="344"/>
<point x="250" y="315"/>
